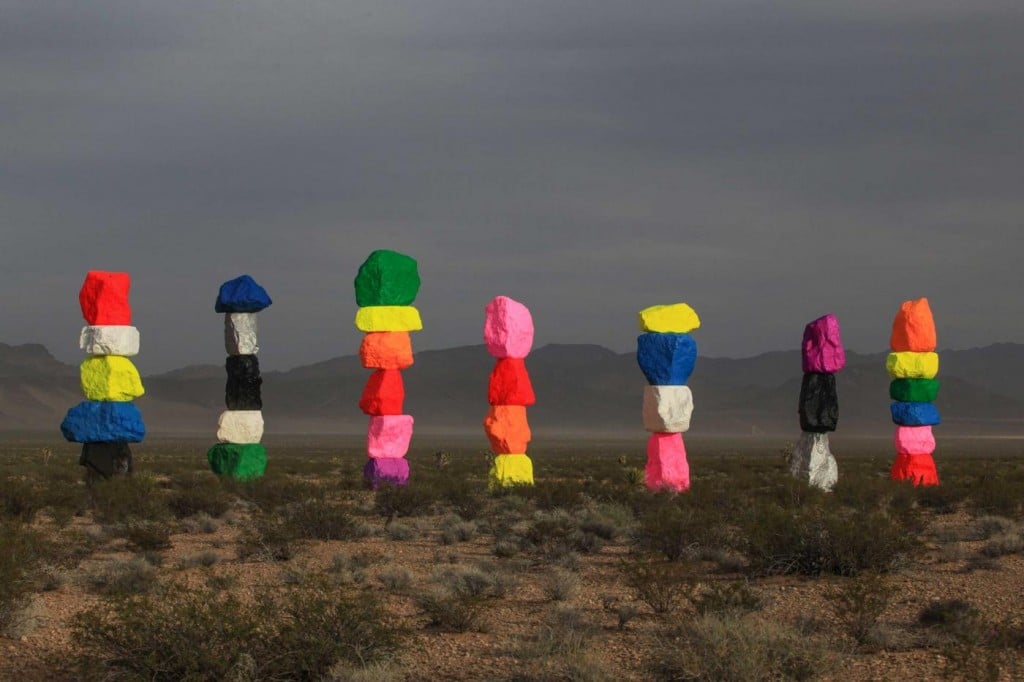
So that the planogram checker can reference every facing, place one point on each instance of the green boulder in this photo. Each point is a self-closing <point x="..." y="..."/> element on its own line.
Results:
<point x="387" y="278"/>
<point x="238" y="461"/>
<point x="914" y="390"/>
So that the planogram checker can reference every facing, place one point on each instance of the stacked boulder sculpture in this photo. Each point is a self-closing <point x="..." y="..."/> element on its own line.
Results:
<point x="508" y="334"/>
<point x="239" y="453"/>
<point x="912" y="365"/>
<point x="107" y="421"/>
<point x="667" y="354"/>
<point x="823" y="356"/>
<point x="386" y="286"/>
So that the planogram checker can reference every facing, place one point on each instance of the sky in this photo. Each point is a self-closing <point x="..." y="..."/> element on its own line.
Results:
<point x="766" y="163"/>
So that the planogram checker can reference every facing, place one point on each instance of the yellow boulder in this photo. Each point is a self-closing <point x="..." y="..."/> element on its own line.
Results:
<point x="510" y="470"/>
<point x="911" y="365"/>
<point x="677" y="318"/>
<point x="111" y="378"/>
<point x="388" y="318"/>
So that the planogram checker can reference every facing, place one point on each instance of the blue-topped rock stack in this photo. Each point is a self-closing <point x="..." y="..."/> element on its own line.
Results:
<point x="239" y="453"/>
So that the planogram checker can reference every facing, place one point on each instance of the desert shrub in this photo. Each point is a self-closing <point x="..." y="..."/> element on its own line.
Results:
<point x="21" y="551"/>
<point x="204" y="559"/>
<point x="393" y="501"/>
<point x="677" y="531"/>
<point x="18" y="500"/>
<point x="1010" y="541"/>
<point x="462" y="496"/>
<point x="997" y="494"/>
<point x="507" y="547"/>
<point x="271" y="492"/>
<point x="129" y="497"/>
<point x="395" y="579"/>
<point x="949" y="615"/>
<point x="733" y="596"/>
<point x="319" y="519"/>
<point x="466" y="581"/>
<point x="549" y="495"/>
<point x="940" y="499"/>
<point x="555" y="533"/>
<point x="560" y="585"/>
<point x="200" y="523"/>
<point x="399" y="531"/>
<point x="662" y="585"/>
<point x="134" y="576"/>
<point x="455" y="530"/>
<point x="267" y="538"/>
<point x="147" y="536"/>
<point x="859" y="603"/>
<point x="450" y="611"/>
<point x="199" y="495"/>
<point x="564" y="633"/>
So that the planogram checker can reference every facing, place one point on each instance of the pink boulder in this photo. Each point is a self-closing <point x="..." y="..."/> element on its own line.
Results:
<point x="667" y="468"/>
<point x="915" y="440"/>
<point x="508" y="328"/>
<point x="389" y="435"/>
<point x="823" y="348"/>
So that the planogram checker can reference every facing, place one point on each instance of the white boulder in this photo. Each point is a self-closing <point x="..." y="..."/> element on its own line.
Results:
<point x="667" y="409"/>
<point x="109" y="339"/>
<point x="240" y="334"/>
<point x="240" y="426"/>
<point x="813" y="462"/>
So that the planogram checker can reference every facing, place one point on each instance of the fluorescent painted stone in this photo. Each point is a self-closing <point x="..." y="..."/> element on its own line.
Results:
<point x="241" y="295"/>
<point x="384" y="393"/>
<point x="386" y="350"/>
<point x="676" y="318"/>
<point x="389" y="435"/>
<point x="812" y="461"/>
<point x="914" y="390"/>
<point x="107" y="459"/>
<point x="240" y="427"/>
<point x="912" y="365"/>
<point x="667" y="409"/>
<point x="94" y="421"/>
<point x="508" y="328"/>
<point x="109" y="339"/>
<point x="104" y="298"/>
<point x="822" y="346"/>
<point x="509" y="470"/>
<point x="667" y="468"/>
<point x="507" y="429"/>
<point x="914" y="328"/>
<point x="919" y="469"/>
<point x="914" y="440"/>
<point x="241" y="461"/>
<point x="110" y="377"/>
<point x="510" y="383"/>
<point x="388" y="318"/>
<point x="819" y="403"/>
<point x="915" y="414"/>
<point x="386" y="471"/>
<point x="241" y="334"/>
<point x="666" y="359"/>
<point x="387" y="278"/>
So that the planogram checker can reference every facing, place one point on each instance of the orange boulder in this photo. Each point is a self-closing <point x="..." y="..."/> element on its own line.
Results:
<point x="914" y="328"/>
<point x="507" y="429"/>
<point x="386" y="350"/>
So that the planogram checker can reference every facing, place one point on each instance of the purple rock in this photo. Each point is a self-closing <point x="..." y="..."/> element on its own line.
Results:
<point x="823" y="348"/>
<point x="386" y="471"/>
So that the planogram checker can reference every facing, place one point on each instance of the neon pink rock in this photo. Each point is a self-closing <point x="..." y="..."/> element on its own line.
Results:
<point x="508" y="328"/>
<point x="389" y="435"/>
<point x="667" y="467"/>
<point x="823" y="347"/>
<point x="914" y="440"/>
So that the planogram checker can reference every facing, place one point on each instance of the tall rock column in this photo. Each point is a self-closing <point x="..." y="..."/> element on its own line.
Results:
<point x="239" y="453"/>
<point x="386" y="286"/>
<point x="913" y="365"/>
<point x="667" y="354"/>
<point x="823" y="356"/>
<point x="107" y="421"/>
<point x="508" y="334"/>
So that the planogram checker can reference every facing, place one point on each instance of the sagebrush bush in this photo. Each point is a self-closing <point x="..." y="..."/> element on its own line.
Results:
<point x="319" y="519"/>
<point x="147" y="536"/>
<point x="21" y="551"/>
<point x="859" y="603"/>
<point x="560" y="585"/>
<point x="451" y="611"/>
<point x="732" y="596"/>
<point x="18" y="500"/>
<point x="120" y="578"/>
<point x="199" y="495"/>
<point x="122" y="498"/>
<point x="662" y="585"/>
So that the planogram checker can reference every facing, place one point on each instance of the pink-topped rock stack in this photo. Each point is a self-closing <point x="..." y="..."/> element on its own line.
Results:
<point x="823" y="356"/>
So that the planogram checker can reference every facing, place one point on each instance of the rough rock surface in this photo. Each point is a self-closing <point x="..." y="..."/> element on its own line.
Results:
<point x="104" y="298"/>
<point x="819" y="402"/>
<point x="667" y="409"/>
<point x="242" y="390"/>
<point x="822" y="346"/>
<point x="103" y="422"/>
<point x="110" y="377"/>
<point x="912" y="365"/>
<point x="915" y="414"/>
<point x="510" y="384"/>
<point x="812" y="461"/>
<point x="507" y="429"/>
<point x="386" y="350"/>
<point x="241" y="334"/>
<point x="913" y="329"/>
<point x="383" y="394"/>
<point x="107" y="459"/>
<point x="388" y="318"/>
<point x="241" y="295"/>
<point x="240" y="427"/>
<point x="107" y="339"/>
<point x="386" y="471"/>
<point x="241" y="461"/>
<point x="508" y="470"/>
<point x="675" y="318"/>
<point x="666" y="359"/>
<point x="914" y="440"/>
<point x="914" y="390"/>
<point x="667" y="468"/>
<point x="388" y="435"/>
<point x="387" y="278"/>
<point x="508" y="328"/>
<point x="919" y="469"/>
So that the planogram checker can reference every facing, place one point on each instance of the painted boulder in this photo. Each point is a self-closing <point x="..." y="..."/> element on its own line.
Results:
<point x="389" y="435"/>
<point x="104" y="298"/>
<point x="94" y="421"/>
<point x="387" y="278"/>
<point x="822" y="346"/>
<point x="107" y="339"/>
<point x="508" y="328"/>
<point x="667" y="409"/>
<point x="666" y="359"/>
<point x="913" y="329"/>
<point x="241" y="295"/>
<point x="510" y="384"/>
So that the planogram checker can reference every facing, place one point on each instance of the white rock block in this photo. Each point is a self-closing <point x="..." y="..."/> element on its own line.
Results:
<point x="240" y="426"/>
<point x="109" y="339"/>
<point x="667" y="409"/>
<point x="812" y="461"/>
<point x="240" y="334"/>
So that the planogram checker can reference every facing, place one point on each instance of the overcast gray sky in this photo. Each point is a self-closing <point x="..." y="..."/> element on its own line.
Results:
<point x="765" y="162"/>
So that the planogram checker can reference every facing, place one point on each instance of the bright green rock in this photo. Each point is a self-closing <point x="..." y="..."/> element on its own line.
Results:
<point x="387" y="278"/>
<point x="237" y="460"/>
<point x="914" y="390"/>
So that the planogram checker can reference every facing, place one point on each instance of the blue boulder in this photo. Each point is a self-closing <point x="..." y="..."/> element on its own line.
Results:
<point x="241" y="295"/>
<point x="93" y="421"/>
<point x="666" y="359"/>
<point x="915" y="414"/>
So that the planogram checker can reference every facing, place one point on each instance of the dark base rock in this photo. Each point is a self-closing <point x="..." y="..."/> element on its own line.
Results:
<point x="242" y="461"/>
<point x="819" y="403"/>
<point x="386" y="471"/>
<point x="107" y="459"/>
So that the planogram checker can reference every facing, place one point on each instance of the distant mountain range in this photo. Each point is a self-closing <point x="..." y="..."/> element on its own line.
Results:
<point x="581" y="389"/>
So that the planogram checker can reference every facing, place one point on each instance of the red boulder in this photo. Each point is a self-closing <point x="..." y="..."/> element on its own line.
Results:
<point x="104" y="298"/>
<point x="384" y="393"/>
<point x="510" y="383"/>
